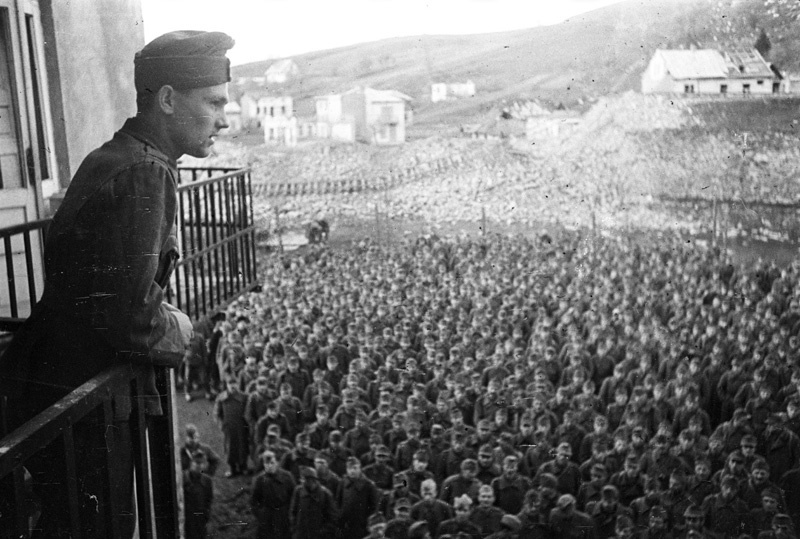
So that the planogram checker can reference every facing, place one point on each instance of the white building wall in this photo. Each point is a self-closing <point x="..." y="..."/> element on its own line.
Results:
<point x="438" y="92"/>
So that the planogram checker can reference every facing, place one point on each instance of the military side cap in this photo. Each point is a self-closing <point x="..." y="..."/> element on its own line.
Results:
<point x="511" y="522"/>
<point x="694" y="511"/>
<point x="375" y="519"/>
<point x="183" y="59"/>
<point x="565" y="500"/>
<point x="462" y="501"/>
<point x="402" y="503"/>
<point x="308" y="472"/>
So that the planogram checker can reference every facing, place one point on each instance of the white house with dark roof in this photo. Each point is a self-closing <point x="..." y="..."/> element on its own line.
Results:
<point x="708" y="71"/>
<point x="282" y="71"/>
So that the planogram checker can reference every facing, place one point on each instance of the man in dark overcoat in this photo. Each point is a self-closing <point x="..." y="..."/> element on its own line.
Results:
<point x="198" y="495"/>
<point x="229" y="413"/>
<point x="271" y="497"/>
<point x="357" y="499"/>
<point x="313" y="509"/>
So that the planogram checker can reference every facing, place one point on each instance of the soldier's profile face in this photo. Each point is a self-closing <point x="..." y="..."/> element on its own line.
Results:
<point x="199" y="115"/>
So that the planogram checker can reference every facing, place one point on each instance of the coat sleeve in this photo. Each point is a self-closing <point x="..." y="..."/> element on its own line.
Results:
<point x="128" y="303"/>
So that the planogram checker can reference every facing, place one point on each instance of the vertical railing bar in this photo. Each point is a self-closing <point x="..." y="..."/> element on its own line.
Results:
<point x="252" y="224"/>
<point x="180" y="225"/>
<point x="235" y="256"/>
<point x="222" y="234"/>
<point x="12" y="288"/>
<point x="240" y="240"/>
<point x="143" y="495"/>
<point x="165" y="486"/>
<point x="178" y="270"/>
<point x="237" y="225"/>
<point x="195" y="243"/>
<point x="187" y="273"/>
<point x="244" y="221"/>
<point x="207" y="222"/>
<point x="72" y="481"/>
<point x="110" y="522"/>
<point x="192" y="217"/>
<point x="20" y="518"/>
<point x="26" y="238"/>
<point x="214" y="225"/>
<point x="202" y="240"/>
<point x="227" y="247"/>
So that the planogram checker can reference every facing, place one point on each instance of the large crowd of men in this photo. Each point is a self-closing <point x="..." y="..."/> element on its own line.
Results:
<point x="511" y="387"/>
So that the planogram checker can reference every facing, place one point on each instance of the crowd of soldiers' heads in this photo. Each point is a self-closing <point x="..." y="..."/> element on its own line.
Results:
<point x="664" y="309"/>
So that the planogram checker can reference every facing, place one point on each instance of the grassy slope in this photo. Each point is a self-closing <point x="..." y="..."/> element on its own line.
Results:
<point x="597" y="53"/>
<point x="594" y="54"/>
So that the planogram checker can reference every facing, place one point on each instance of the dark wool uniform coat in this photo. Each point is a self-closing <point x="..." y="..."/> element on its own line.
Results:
<point x="313" y="513"/>
<point x="357" y="500"/>
<point x="198" y="495"/>
<point x="109" y="253"/>
<point x="270" y="500"/>
<point x="229" y="412"/>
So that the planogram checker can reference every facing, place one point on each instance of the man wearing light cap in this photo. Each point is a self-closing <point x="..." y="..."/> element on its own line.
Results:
<point x="109" y="254"/>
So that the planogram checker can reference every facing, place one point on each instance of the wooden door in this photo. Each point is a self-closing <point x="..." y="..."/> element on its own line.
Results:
<point x="22" y="128"/>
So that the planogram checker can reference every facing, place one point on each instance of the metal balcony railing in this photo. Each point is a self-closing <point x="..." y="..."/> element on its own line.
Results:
<point x="217" y="234"/>
<point x="156" y="485"/>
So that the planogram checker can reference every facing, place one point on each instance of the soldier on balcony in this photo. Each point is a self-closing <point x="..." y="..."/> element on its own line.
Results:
<point x="109" y="255"/>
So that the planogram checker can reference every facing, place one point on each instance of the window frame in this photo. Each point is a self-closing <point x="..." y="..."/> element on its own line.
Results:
<point x="29" y="78"/>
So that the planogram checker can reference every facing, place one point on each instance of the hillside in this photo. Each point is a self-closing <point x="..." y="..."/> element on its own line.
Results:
<point x="592" y="55"/>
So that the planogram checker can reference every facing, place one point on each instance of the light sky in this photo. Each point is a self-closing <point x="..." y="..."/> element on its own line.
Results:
<point x="265" y="29"/>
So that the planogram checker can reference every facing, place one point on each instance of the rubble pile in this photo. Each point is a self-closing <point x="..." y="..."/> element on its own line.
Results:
<point x="627" y="153"/>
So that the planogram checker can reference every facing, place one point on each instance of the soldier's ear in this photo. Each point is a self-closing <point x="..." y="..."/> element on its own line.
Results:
<point x="165" y="98"/>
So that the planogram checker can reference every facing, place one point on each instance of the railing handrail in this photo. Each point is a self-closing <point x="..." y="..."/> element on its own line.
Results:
<point x="23" y="442"/>
<point x="213" y="179"/>
<point x="24" y="227"/>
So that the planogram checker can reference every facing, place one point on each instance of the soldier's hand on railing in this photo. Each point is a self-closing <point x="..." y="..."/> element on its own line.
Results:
<point x="184" y="323"/>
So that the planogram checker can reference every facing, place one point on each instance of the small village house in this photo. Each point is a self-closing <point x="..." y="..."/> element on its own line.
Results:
<point x="282" y="71"/>
<point x="256" y="106"/>
<point x="441" y="91"/>
<point x="380" y="116"/>
<point x="330" y="121"/>
<point x="708" y="71"/>
<point x="365" y="115"/>
<point x="551" y="126"/>
<point x="278" y="120"/>
<point x="790" y="83"/>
